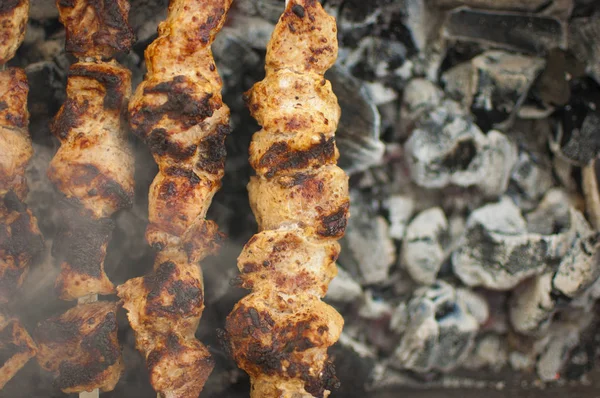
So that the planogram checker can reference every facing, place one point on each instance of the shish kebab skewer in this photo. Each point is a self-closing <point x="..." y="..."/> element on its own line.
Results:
<point x="178" y="111"/>
<point x="279" y="333"/>
<point x="20" y="239"/>
<point x="93" y="169"/>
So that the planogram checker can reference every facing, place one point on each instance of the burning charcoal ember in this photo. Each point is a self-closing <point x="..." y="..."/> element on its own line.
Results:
<point x="491" y="351"/>
<point x="497" y="252"/>
<point x="532" y="306"/>
<point x="440" y="333"/>
<point x="578" y="268"/>
<point x="497" y="85"/>
<point x="343" y="288"/>
<point x="359" y="127"/>
<point x="16" y="348"/>
<point x="422" y="246"/>
<point x="591" y="190"/>
<point x="400" y="210"/>
<point x="447" y="148"/>
<point x="517" y="32"/>
<point x="583" y="41"/>
<point x="531" y="178"/>
<point x="368" y="251"/>
<point x="552" y="213"/>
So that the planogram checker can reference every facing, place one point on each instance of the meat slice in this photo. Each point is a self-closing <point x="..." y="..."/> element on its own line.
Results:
<point x="96" y="28"/>
<point x="81" y="347"/>
<point x="16" y="348"/>
<point x="13" y="21"/>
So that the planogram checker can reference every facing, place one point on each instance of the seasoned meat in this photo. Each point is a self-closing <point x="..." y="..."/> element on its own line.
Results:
<point x="14" y="138"/>
<point x="279" y="334"/>
<point x="96" y="28"/>
<point x="81" y="347"/>
<point x="16" y="348"/>
<point x="179" y="113"/>
<point x="21" y="242"/>
<point x="13" y="22"/>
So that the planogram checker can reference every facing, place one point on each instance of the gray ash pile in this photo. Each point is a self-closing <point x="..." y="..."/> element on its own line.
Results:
<point x="471" y="133"/>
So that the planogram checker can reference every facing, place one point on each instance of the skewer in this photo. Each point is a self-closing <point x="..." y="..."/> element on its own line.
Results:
<point x="280" y="332"/>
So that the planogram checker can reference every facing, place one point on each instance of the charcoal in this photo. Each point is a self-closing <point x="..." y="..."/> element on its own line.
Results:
<point x="517" y="32"/>
<point x="531" y="178"/>
<point x="579" y="268"/>
<point x="512" y="5"/>
<point x="582" y="144"/>
<point x="344" y="289"/>
<point x="400" y="208"/>
<point x="367" y="249"/>
<point x="551" y="215"/>
<point x="234" y="57"/>
<point x="359" y="127"/>
<point x="565" y="337"/>
<point x="583" y="41"/>
<point x="447" y="148"/>
<point x="376" y="58"/>
<point x="497" y="252"/>
<point x="399" y="318"/>
<point x="441" y="331"/>
<point x="532" y="306"/>
<point x="490" y="352"/>
<point x="420" y="98"/>
<point x="422" y="249"/>
<point x="591" y="190"/>
<point x="475" y="303"/>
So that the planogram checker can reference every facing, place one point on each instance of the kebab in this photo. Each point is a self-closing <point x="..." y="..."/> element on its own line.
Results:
<point x="280" y="332"/>
<point x="179" y="113"/>
<point x="20" y="238"/>
<point x="93" y="169"/>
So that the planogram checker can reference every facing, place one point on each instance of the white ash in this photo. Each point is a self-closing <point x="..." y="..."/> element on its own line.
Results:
<point x="552" y="213"/>
<point x="494" y="82"/>
<point x="582" y="144"/>
<point x="374" y="309"/>
<point x="580" y="267"/>
<point x="447" y="148"/>
<point x="475" y="303"/>
<point x="422" y="247"/>
<point x="530" y="180"/>
<point x="368" y="251"/>
<point x="497" y="252"/>
<point x="399" y="318"/>
<point x="583" y="40"/>
<point x="564" y="338"/>
<point x="491" y="351"/>
<point x="440" y="333"/>
<point x="344" y="289"/>
<point x="532" y="306"/>
<point x="400" y="208"/>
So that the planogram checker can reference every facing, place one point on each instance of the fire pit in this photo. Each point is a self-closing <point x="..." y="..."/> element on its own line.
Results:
<point x="471" y="132"/>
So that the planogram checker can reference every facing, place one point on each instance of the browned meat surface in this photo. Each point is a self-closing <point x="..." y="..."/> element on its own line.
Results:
<point x="178" y="111"/>
<point x="94" y="169"/>
<point x="280" y="332"/>
<point x="96" y="28"/>
<point x="14" y="138"/>
<point x="81" y="347"/>
<point x="13" y="22"/>
<point x="16" y="348"/>
<point x="21" y="243"/>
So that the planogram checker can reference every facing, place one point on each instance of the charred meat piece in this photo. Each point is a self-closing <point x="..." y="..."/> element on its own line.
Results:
<point x="21" y="242"/>
<point x="81" y="347"/>
<point x="13" y="21"/>
<point x="16" y="348"/>
<point x="179" y="113"/>
<point x="279" y="334"/>
<point x="96" y="29"/>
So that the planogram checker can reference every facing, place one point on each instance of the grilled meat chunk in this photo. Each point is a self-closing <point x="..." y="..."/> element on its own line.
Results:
<point x="179" y="113"/>
<point x="279" y="334"/>
<point x="81" y="347"/>
<point x="13" y="22"/>
<point x="96" y="29"/>
<point x="16" y="348"/>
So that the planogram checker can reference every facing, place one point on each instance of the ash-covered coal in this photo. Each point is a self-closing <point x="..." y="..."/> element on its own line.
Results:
<point x="469" y="129"/>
